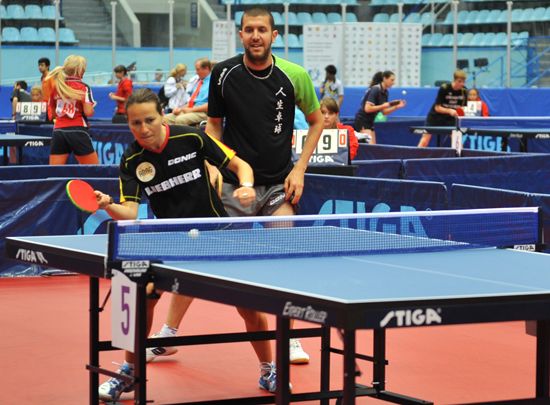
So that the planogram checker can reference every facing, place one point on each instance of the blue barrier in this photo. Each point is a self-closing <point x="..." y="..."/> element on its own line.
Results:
<point x="46" y="171"/>
<point x="336" y="195"/>
<point x="385" y="169"/>
<point x="371" y="152"/>
<point x="529" y="173"/>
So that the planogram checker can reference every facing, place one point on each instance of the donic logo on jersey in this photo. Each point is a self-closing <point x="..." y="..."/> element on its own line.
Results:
<point x="412" y="317"/>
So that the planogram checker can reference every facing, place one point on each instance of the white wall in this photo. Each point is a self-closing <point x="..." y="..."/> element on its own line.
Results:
<point x="148" y="6"/>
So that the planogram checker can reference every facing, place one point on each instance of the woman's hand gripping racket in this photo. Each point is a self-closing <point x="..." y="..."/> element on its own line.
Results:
<point x="82" y="195"/>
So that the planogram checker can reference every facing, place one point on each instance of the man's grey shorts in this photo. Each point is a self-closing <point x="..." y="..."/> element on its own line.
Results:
<point x="268" y="200"/>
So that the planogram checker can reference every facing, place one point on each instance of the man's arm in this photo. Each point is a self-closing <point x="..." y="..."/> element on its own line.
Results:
<point x="294" y="183"/>
<point x="214" y="127"/>
<point x="199" y="108"/>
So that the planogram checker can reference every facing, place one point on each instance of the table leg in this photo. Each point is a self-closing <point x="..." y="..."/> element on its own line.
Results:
<point x="379" y="363"/>
<point x="139" y="349"/>
<point x="543" y="359"/>
<point x="93" y="339"/>
<point x="349" y="367"/>
<point x="325" y="362"/>
<point x="282" y="395"/>
<point x="5" y="157"/>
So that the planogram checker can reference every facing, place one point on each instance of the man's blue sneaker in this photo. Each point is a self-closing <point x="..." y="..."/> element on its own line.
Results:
<point x="268" y="377"/>
<point x="112" y="389"/>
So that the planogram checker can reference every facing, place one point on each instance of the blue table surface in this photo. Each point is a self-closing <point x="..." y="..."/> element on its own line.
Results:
<point x="456" y="274"/>
<point x="12" y="137"/>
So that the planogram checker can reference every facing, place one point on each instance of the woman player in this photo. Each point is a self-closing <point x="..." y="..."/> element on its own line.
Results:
<point x="331" y="120"/>
<point x="145" y="167"/>
<point x="123" y="91"/>
<point x="374" y="102"/>
<point x="70" y="103"/>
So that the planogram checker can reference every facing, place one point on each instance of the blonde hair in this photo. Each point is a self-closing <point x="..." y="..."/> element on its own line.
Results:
<point x="459" y="74"/>
<point x="74" y="65"/>
<point x="179" y="67"/>
<point x="36" y="89"/>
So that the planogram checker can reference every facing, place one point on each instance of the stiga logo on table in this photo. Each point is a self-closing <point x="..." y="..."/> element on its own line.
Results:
<point x="145" y="172"/>
<point x="412" y="317"/>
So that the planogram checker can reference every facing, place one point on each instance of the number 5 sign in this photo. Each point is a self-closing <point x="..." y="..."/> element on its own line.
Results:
<point x="123" y="311"/>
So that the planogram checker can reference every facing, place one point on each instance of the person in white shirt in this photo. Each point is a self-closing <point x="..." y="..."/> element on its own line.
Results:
<point x="174" y="88"/>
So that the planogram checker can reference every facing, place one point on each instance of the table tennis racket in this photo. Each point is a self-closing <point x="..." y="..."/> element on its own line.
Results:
<point x="82" y="195"/>
<point x="460" y="111"/>
<point x="394" y="103"/>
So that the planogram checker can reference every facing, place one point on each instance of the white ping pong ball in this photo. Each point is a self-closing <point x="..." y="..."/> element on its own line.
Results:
<point x="193" y="233"/>
<point x="404" y="92"/>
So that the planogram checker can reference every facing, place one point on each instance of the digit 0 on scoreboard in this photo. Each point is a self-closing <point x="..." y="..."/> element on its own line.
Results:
<point x="343" y="138"/>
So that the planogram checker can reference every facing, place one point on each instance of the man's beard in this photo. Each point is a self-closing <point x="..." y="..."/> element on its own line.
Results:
<point x="258" y="59"/>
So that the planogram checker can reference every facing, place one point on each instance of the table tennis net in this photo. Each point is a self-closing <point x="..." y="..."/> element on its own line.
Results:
<point x="330" y="235"/>
<point x="508" y="123"/>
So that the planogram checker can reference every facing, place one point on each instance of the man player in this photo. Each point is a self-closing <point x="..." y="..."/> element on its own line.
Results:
<point x="450" y="97"/>
<point x="179" y="189"/>
<point x="257" y="93"/>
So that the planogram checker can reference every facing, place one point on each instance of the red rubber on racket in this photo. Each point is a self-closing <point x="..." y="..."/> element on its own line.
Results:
<point x="82" y="195"/>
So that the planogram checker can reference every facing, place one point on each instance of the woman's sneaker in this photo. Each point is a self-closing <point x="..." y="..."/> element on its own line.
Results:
<point x="297" y="353"/>
<point x="268" y="377"/>
<point x="112" y="389"/>
<point x="151" y="353"/>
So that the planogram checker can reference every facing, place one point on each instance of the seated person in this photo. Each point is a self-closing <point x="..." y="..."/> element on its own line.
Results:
<point x="443" y="113"/>
<point x="194" y="112"/>
<point x="479" y="108"/>
<point x="19" y="95"/>
<point x="331" y="120"/>
<point x="36" y="94"/>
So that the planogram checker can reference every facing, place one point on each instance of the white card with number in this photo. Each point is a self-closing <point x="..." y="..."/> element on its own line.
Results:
<point x="123" y="311"/>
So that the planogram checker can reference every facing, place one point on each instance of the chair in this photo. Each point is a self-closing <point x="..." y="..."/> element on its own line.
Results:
<point x="319" y="18"/>
<point x="301" y="39"/>
<point x="48" y="12"/>
<point x="501" y="39"/>
<point x="277" y="19"/>
<point x="279" y="42"/>
<point x="493" y="16"/>
<point x="351" y="17"/>
<point x="10" y="34"/>
<point x="472" y="17"/>
<point x="477" y="39"/>
<point x="426" y="18"/>
<point x="66" y="35"/>
<point x="29" y="34"/>
<point x="482" y="17"/>
<point x="426" y="39"/>
<point x="462" y="17"/>
<point x="394" y="18"/>
<point x="466" y="39"/>
<point x="503" y="16"/>
<point x="378" y="3"/>
<point x="448" y="18"/>
<point x="447" y="40"/>
<point x="381" y="18"/>
<point x="517" y="15"/>
<point x="527" y="15"/>
<point x="33" y="12"/>
<point x="547" y="14"/>
<point x="435" y="40"/>
<point x="46" y="34"/>
<point x="15" y="12"/>
<point x="334" y="18"/>
<point x="538" y="14"/>
<point x="292" y="18"/>
<point x="412" y="18"/>
<point x="304" y="18"/>
<point x="3" y="12"/>
<point x="293" y="41"/>
<point x="488" y="39"/>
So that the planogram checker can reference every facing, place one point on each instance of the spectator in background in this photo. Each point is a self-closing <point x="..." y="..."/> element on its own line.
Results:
<point x="450" y="98"/>
<point x="123" y="91"/>
<point x="47" y="85"/>
<point x="332" y="87"/>
<point x="331" y="120"/>
<point x="194" y="112"/>
<point x="19" y="95"/>
<point x="159" y="76"/>
<point x="174" y="88"/>
<point x="476" y="106"/>
<point x="36" y="94"/>
<point x="376" y="101"/>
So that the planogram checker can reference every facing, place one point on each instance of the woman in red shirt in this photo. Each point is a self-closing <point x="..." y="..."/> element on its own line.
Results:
<point x="71" y="102"/>
<point x="331" y="120"/>
<point x="473" y="95"/>
<point x="123" y="91"/>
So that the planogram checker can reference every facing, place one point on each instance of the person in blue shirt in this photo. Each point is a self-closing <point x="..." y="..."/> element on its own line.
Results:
<point x="194" y="112"/>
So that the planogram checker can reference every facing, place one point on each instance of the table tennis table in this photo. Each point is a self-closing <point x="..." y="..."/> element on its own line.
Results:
<point x="21" y="142"/>
<point x="521" y="128"/>
<point x="352" y="283"/>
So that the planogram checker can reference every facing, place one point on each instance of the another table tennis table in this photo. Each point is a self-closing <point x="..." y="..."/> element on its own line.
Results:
<point x="21" y="142"/>
<point x="348" y="292"/>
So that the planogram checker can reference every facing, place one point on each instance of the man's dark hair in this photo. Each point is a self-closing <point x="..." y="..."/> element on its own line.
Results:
<point x="120" y="68"/>
<point x="45" y="61"/>
<point x="204" y="63"/>
<point x="22" y="84"/>
<point x="144" y="95"/>
<point x="258" y="12"/>
<point x="331" y="69"/>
